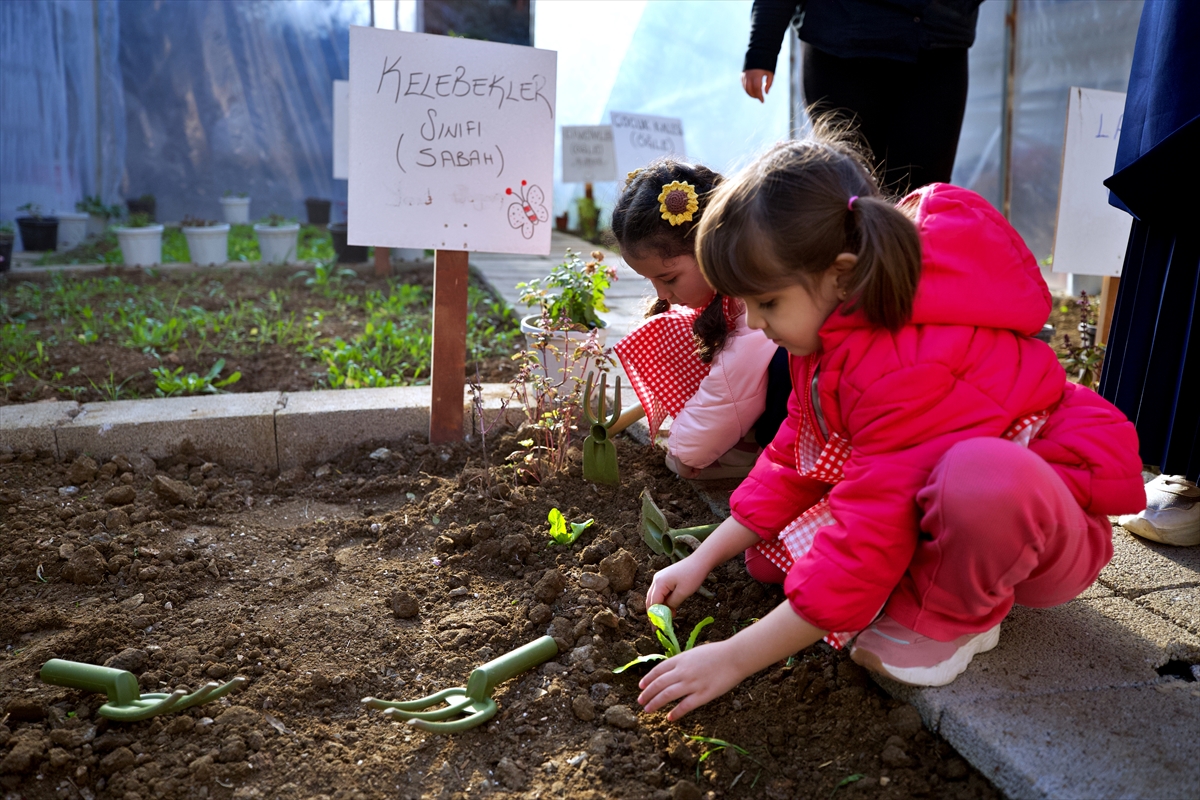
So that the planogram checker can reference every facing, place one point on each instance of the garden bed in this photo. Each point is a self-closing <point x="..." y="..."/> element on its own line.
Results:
<point x="135" y="333"/>
<point x="393" y="575"/>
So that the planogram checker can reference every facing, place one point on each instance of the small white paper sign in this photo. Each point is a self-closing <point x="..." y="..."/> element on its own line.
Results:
<point x="638" y="139"/>
<point x="587" y="154"/>
<point x="1090" y="236"/>
<point x="341" y="130"/>
<point x="451" y="143"/>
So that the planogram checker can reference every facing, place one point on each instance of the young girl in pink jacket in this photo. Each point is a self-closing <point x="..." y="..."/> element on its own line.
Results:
<point x="936" y="466"/>
<point x="698" y="363"/>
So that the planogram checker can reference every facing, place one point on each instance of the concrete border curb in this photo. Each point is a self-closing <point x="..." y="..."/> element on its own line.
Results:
<point x="261" y="430"/>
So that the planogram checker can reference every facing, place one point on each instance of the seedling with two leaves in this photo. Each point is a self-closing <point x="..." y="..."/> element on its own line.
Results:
<point x="664" y="629"/>
<point x="125" y="702"/>
<point x="558" y="528"/>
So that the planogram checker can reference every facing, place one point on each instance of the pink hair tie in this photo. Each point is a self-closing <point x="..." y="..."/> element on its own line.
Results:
<point x="850" y="205"/>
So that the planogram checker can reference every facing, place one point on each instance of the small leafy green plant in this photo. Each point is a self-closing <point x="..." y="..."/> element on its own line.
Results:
<point x="139" y="221"/>
<point x="93" y="204"/>
<point x="558" y="528"/>
<point x="197" y="222"/>
<point x="172" y="382"/>
<point x="581" y="286"/>
<point x="32" y="209"/>
<point x="229" y="193"/>
<point x="276" y="221"/>
<point x="660" y="616"/>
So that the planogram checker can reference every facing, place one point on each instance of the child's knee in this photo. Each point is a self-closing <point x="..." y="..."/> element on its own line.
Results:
<point x="988" y="479"/>
<point x="761" y="569"/>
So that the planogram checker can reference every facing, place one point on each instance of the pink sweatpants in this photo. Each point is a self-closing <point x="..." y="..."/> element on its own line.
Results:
<point x="998" y="527"/>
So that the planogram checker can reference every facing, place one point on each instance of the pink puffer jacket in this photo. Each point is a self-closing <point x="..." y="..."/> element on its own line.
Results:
<point x="966" y="365"/>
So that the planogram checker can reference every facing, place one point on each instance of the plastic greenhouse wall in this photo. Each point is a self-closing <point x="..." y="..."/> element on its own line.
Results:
<point x="188" y="100"/>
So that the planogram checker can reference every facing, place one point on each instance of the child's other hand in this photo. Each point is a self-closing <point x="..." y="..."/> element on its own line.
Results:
<point x="693" y="678"/>
<point x="677" y="582"/>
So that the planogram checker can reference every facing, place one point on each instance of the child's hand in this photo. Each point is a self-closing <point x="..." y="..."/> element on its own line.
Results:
<point x="693" y="678"/>
<point x="677" y="582"/>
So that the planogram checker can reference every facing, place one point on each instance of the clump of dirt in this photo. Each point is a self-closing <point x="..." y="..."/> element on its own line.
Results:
<point x="392" y="574"/>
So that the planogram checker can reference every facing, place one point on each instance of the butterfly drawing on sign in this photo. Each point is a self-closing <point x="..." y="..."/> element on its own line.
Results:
<point x="529" y="211"/>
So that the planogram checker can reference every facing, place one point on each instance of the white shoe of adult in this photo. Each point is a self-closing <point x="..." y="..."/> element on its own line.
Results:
<point x="1172" y="514"/>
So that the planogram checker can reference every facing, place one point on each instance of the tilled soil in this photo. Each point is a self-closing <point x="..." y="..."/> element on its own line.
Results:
<point x="393" y="576"/>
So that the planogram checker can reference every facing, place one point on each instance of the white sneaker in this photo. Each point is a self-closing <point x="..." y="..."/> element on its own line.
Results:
<point x="1172" y="514"/>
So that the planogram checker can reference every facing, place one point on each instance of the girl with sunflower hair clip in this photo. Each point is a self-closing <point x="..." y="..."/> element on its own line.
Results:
<point x="693" y="359"/>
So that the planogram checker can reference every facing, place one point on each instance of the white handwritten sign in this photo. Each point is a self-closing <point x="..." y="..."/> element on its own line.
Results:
<point x="638" y="139"/>
<point x="1091" y="236"/>
<point x="341" y="130"/>
<point x="451" y="143"/>
<point x="587" y="154"/>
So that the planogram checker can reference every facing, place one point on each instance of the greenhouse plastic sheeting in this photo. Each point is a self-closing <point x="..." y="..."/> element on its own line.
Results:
<point x="233" y="97"/>
<point x="61" y="104"/>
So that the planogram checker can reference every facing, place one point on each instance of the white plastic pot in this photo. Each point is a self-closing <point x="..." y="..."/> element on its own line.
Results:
<point x="565" y="342"/>
<point x="96" y="225"/>
<point x="277" y="243"/>
<point x="141" y="247"/>
<point x="237" y="210"/>
<point x="208" y="245"/>
<point x="72" y="229"/>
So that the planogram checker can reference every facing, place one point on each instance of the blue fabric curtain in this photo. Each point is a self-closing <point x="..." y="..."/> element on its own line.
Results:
<point x="1152" y="368"/>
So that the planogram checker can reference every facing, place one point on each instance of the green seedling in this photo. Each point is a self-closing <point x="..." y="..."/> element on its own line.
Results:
<point x="172" y="382"/>
<point x="125" y="703"/>
<point x="849" y="779"/>
<point x="599" y="453"/>
<point x="676" y="543"/>
<point x="558" y="528"/>
<point x="468" y="707"/>
<point x="664" y="629"/>
<point x="717" y="745"/>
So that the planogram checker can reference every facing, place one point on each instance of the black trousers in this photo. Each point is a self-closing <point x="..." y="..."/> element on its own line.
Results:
<point x="909" y="114"/>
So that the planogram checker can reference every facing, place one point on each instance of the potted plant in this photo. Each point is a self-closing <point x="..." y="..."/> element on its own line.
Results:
<point x="98" y="214"/>
<point x="346" y="253"/>
<point x="569" y="300"/>
<point x="589" y="216"/>
<point x="208" y="240"/>
<point x="6" y="246"/>
<point x="277" y="239"/>
<point x="38" y="233"/>
<point x="236" y="208"/>
<point x="72" y="229"/>
<point x="141" y="241"/>
<point x="318" y="210"/>
<point x="144" y="205"/>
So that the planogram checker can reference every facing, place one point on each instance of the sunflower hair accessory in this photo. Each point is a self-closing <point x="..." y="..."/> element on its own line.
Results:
<point x="678" y="202"/>
<point x="629" y="176"/>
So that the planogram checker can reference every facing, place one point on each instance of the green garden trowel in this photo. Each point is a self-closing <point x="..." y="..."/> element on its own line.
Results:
<point x="472" y="706"/>
<point x="599" y="453"/>
<point x="677" y="543"/>
<point x="125" y="703"/>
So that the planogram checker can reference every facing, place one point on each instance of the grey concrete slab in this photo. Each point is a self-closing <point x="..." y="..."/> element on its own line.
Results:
<point x="1180" y="605"/>
<point x="314" y="427"/>
<point x="1111" y="743"/>
<point x="1084" y="645"/>
<point x="234" y="429"/>
<point x="1139" y="565"/>
<point x="32" y="426"/>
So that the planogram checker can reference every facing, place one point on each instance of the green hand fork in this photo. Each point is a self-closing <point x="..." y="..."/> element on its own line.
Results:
<point x="665" y="540"/>
<point x="125" y="703"/>
<point x="473" y="705"/>
<point x="599" y="453"/>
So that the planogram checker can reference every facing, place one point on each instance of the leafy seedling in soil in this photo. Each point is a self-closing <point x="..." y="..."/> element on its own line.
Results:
<point x="664" y="629"/>
<point x="473" y="705"/>
<point x="717" y="746"/>
<point x="171" y="382"/>
<point x="849" y="779"/>
<point x="558" y="528"/>
<point x="599" y="453"/>
<point x="125" y="703"/>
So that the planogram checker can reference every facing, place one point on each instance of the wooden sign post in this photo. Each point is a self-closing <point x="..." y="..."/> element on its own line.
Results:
<point x="451" y="149"/>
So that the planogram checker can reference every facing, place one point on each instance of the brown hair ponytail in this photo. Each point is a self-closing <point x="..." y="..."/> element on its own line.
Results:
<point x="785" y="219"/>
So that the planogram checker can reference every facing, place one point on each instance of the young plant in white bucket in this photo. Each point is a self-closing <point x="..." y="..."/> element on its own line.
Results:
<point x="141" y="242"/>
<point x="208" y="240"/>
<point x="98" y="214"/>
<point x="569" y="318"/>
<point x="236" y="208"/>
<point x="277" y="239"/>
<point x="72" y="229"/>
